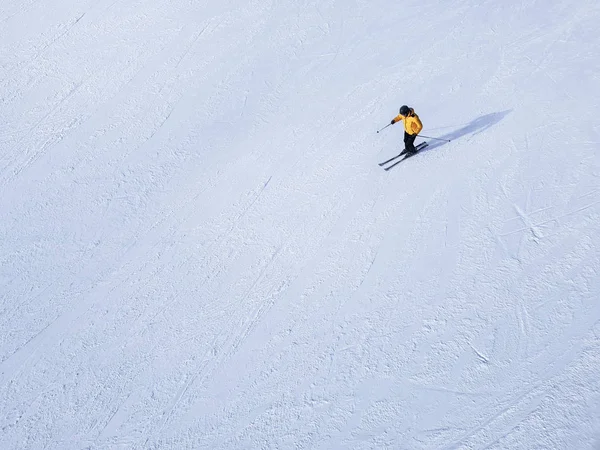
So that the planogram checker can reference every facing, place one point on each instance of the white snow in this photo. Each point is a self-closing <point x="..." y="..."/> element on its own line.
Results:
<point x="199" y="250"/>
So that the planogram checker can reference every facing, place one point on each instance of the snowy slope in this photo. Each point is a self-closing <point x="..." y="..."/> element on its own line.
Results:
<point x="199" y="250"/>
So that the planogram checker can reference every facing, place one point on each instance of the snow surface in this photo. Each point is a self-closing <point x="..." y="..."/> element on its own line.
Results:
<point x="199" y="250"/>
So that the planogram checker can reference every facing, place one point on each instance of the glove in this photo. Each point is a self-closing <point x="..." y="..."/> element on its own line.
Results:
<point x="392" y="122"/>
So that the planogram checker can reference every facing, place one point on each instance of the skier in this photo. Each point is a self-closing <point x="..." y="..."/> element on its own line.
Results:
<point x="412" y="127"/>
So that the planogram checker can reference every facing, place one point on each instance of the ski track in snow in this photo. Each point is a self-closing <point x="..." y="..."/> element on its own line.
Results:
<point x="198" y="249"/>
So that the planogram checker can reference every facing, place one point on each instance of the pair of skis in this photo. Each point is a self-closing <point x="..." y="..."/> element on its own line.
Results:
<point x="419" y="147"/>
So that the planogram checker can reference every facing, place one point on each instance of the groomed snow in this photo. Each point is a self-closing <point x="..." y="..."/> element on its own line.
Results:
<point x="199" y="250"/>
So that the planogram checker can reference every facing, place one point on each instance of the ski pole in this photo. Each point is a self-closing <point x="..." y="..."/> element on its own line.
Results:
<point x="437" y="139"/>
<point x="384" y="127"/>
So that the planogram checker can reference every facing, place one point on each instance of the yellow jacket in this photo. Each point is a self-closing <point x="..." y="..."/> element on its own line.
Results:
<point x="412" y="123"/>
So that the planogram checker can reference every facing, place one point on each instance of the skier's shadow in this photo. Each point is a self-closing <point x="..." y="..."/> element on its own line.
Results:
<point x="474" y="127"/>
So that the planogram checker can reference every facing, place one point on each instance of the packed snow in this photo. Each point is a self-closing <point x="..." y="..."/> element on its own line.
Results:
<point x="198" y="248"/>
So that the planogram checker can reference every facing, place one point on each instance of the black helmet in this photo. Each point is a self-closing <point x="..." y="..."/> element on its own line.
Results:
<point x="404" y="110"/>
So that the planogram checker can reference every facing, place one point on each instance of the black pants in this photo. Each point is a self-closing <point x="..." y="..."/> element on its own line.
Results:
<point x="409" y="142"/>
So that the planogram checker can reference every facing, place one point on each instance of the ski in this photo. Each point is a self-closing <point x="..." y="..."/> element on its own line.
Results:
<point x="391" y="159"/>
<point x="419" y="148"/>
